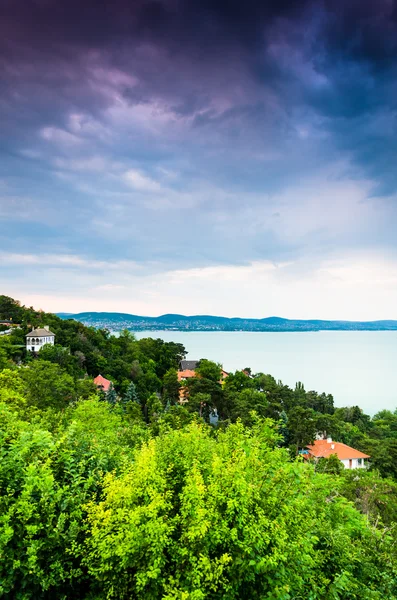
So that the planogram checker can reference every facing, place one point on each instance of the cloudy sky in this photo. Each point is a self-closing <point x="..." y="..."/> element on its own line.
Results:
<point x="200" y="156"/>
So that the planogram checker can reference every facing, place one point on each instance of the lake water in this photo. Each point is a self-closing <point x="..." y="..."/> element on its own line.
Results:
<point x="357" y="367"/>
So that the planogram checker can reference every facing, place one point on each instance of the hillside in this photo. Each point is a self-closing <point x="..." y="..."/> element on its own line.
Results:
<point x="130" y="493"/>
<point x="117" y="321"/>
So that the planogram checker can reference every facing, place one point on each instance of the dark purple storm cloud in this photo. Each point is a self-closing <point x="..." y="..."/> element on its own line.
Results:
<point x="195" y="133"/>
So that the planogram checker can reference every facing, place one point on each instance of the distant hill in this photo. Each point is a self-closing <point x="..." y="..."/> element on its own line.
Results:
<point x="173" y="322"/>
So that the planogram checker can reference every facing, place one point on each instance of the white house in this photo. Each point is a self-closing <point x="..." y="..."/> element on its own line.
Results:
<point x="349" y="457"/>
<point x="37" y="338"/>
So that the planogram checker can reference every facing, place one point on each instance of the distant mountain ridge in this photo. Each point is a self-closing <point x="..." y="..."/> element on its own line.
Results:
<point x="174" y="322"/>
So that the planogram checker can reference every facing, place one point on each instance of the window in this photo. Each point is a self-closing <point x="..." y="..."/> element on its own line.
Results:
<point x="359" y="462"/>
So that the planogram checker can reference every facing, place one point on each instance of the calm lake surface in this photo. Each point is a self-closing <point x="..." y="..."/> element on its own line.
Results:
<point x="357" y="367"/>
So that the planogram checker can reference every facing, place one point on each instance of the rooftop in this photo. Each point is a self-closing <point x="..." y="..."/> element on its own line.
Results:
<point x="324" y="449"/>
<point x="102" y="382"/>
<point x="40" y="332"/>
<point x="186" y="374"/>
<point x="188" y="365"/>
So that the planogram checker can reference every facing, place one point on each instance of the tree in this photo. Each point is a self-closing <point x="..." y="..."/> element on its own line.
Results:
<point x="238" y="381"/>
<point x="47" y="385"/>
<point x="131" y="395"/>
<point x="299" y="394"/>
<point x="373" y="495"/>
<point x="171" y="387"/>
<point x="229" y="516"/>
<point x="200" y="385"/>
<point x="201" y="404"/>
<point x="50" y="477"/>
<point x="85" y="388"/>
<point x="10" y="309"/>
<point x="331" y="465"/>
<point x="154" y="408"/>
<point x="279" y="396"/>
<point x="61" y="356"/>
<point x="12" y="390"/>
<point x="301" y="426"/>
<point x="245" y="402"/>
<point x="111" y="395"/>
<point x="131" y="403"/>
<point x="354" y="415"/>
<point x="283" y="428"/>
<point x="207" y="369"/>
<point x="3" y="359"/>
<point x="322" y="403"/>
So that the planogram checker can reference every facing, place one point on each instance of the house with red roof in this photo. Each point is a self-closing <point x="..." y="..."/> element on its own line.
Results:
<point x="102" y="383"/>
<point x="182" y="377"/>
<point x="350" y="457"/>
<point x="188" y="372"/>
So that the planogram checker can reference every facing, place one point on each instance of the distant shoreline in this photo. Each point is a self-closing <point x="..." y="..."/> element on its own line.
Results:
<point x="133" y="330"/>
<point x="199" y="323"/>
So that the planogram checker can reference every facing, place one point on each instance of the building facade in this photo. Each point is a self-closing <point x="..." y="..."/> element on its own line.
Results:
<point x="38" y="338"/>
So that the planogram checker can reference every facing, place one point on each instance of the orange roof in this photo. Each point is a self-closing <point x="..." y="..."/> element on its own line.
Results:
<point x="102" y="383"/>
<point x="324" y="449"/>
<point x="186" y="374"/>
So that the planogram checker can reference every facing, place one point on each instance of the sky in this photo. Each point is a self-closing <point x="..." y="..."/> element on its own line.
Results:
<point x="200" y="157"/>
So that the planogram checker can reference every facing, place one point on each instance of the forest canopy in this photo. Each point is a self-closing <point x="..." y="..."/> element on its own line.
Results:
<point x="130" y="494"/>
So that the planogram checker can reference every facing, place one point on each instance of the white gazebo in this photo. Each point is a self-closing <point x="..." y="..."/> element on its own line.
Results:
<point x="37" y="338"/>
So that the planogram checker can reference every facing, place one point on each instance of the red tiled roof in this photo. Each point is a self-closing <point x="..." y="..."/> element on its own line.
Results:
<point x="324" y="449"/>
<point x="186" y="374"/>
<point x="102" y="383"/>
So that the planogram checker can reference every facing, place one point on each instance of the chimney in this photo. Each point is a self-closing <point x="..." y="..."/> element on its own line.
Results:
<point x="46" y="327"/>
<point x="332" y="446"/>
<point x="329" y="440"/>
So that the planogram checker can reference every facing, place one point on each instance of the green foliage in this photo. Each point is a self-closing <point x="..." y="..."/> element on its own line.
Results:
<point x="3" y="359"/>
<point x="12" y="390"/>
<point x="301" y="426"/>
<point x="196" y="516"/>
<point x="11" y="310"/>
<point x="206" y="393"/>
<point x="82" y="350"/>
<point x="331" y="465"/>
<point x="10" y="350"/>
<point x="373" y="495"/>
<point x="238" y="381"/>
<point x="171" y="387"/>
<point x="245" y="402"/>
<point x="131" y="394"/>
<point x="138" y="497"/>
<point x="45" y="481"/>
<point x="47" y="384"/>
<point x="210" y="370"/>
<point x="201" y="404"/>
<point x="111" y="395"/>
<point x="85" y="388"/>
<point x="62" y="356"/>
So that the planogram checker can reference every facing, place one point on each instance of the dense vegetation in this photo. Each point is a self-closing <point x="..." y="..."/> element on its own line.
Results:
<point x="131" y="495"/>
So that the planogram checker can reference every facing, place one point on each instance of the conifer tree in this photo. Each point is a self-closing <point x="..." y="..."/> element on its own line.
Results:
<point x="111" y="395"/>
<point x="131" y="395"/>
<point x="283" y="427"/>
